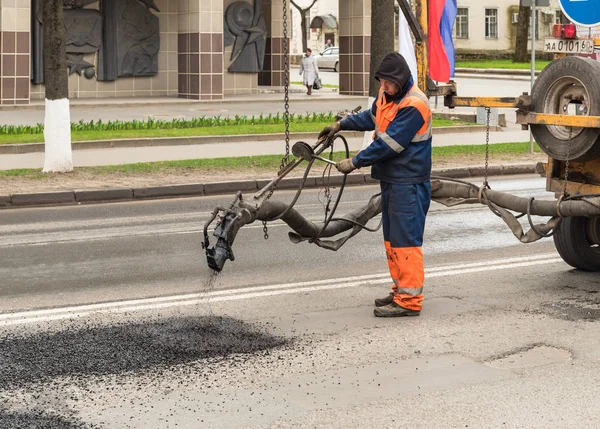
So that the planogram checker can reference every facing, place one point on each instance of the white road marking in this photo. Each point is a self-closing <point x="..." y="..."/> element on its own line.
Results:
<point x="20" y="318"/>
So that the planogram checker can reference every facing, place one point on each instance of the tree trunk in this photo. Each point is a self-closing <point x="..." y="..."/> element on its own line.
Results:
<point x="303" y="22"/>
<point x="382" y="37"/>
<point x="522" y="35"/>
<point x="57" y="121"/>
<point x="304" y="26"/>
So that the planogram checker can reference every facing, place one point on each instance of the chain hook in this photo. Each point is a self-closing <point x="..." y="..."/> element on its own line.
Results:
<point x="567" y="162"/>
<point x="286" y="85"/>
<point x="487" y="147"/>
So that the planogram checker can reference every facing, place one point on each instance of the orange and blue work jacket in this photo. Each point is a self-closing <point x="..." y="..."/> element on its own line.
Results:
<point x="401" y="147"/>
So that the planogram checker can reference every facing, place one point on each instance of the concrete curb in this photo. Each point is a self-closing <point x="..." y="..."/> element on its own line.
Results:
<point x="224" y="188"/>
<point x="18" y="149"/>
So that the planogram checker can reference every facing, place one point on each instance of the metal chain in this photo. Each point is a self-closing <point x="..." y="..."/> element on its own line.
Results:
<point x="487" y="147"/>
<point x="286" y="84"/>
<point x="567" y="161"/>
<point x="265" y="230"/>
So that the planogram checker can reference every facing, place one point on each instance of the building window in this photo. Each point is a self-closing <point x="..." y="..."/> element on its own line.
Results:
<point x="491" y="23"/>
<point x="558" y="16"/>
<point x="461" y="28"/>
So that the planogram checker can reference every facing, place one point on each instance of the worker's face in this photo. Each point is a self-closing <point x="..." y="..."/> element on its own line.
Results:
<point x="390" y="88"/>
<point x="308" y="53"/>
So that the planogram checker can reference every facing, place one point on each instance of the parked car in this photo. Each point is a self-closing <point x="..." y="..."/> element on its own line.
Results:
<point x="329" y="59"/>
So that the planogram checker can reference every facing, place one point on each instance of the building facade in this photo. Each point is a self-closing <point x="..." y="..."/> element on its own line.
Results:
<point x="317" y="37"/>
<point x="490" y="28"/>
<point x="210" y="49"/>
<point x="175" y="48"/>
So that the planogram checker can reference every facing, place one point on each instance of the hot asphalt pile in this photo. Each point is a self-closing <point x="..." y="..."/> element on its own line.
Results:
<point x="127" y="348"/>
<point x="71" y="361"/>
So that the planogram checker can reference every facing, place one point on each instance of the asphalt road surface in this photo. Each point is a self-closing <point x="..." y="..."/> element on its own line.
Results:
<point x="110" y="318"/>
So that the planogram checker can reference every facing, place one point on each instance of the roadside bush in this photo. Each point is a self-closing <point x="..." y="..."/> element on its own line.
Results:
<point x="160" y="124"/>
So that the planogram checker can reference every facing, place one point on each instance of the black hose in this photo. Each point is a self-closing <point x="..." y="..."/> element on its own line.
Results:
<point x="353" y="222"/>
<point x="298" y="192"/>
<point x="339" y="197"/>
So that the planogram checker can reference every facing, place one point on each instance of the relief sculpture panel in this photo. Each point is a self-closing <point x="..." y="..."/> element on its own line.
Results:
<point x="246" y="30"/>
<point x="123" y="33"/>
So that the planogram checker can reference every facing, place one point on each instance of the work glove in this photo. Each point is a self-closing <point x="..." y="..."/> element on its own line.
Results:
<point x="330" y="131"/>
<point x="345" y="166"/>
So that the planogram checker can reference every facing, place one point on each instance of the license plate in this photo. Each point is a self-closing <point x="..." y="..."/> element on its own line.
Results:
<point x="569" y="46"/>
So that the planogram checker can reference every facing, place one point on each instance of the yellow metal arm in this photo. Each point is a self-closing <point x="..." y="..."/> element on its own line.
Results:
<point x="562" y="120"/>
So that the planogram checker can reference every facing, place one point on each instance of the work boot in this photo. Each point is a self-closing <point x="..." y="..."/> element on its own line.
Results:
<point x="380" y="302"/>
<point x="394" y="310"/>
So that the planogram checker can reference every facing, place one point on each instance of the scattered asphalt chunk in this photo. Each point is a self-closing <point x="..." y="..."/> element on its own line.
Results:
<point x="128" y="348"/>
<point x="575" y="309"/>
<point x="39" y="420"/>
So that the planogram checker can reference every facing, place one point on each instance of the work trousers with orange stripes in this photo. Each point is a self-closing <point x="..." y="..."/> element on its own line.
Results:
<point x="404" y="209"/>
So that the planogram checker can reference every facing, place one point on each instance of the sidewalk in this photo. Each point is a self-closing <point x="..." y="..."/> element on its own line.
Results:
<point x="218" y="149"/>
<point x="78" y="188"/>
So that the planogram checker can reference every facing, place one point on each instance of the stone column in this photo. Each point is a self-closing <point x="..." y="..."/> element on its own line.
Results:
<point x="15" y="25"/>
<point x="355" y="46"/>
<point x="273" y="70"/>
<point x="200" y="49"/>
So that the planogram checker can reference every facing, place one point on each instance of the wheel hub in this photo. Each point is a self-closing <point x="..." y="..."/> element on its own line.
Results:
<point x="567" y="96"/>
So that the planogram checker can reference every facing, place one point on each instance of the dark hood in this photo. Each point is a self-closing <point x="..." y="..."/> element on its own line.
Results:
<point x="395" y="69"/>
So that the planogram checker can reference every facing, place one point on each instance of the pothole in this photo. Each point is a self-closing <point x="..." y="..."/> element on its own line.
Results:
<point x="129" y="348"/>
<point x="531" y="357"/>
<point x="575" y="309"/>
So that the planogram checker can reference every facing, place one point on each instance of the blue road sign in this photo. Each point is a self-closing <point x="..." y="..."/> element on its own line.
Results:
<point x="582" y="12"/>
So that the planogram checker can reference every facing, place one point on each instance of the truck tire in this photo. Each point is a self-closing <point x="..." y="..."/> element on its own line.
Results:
<point x="573" y="245"/>
<point x="566" y="85"/>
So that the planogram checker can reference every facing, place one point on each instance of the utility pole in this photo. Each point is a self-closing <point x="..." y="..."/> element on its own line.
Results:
<point x="382" y="37"/>
<point x="533" y="30"/>
<point x="57" y="121"/>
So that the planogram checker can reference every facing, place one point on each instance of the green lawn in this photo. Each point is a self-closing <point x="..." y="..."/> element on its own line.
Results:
<point x="266" y="162"/>
<point x="189" y="132"/>
<point x="500" y="64"/>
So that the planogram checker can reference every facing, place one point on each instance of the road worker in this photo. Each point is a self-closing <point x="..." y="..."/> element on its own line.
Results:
<point x="400" y="156"/>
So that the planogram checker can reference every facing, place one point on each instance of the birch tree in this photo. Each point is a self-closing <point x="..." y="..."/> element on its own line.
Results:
<point x="57" y="121"/>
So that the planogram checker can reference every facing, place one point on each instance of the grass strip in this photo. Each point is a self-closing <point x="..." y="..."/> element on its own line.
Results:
<point x="191" y="132"/>
<point x="263" y="162"/>
<point x="500" y="64"/>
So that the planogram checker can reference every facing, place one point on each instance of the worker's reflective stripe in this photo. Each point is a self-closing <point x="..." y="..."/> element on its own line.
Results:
<point x="389" y="141"/>
<point x="373" y="117"/>
<point x="410" y="292"/>
<point x="426" y="130"/>
<point x="422" y="137"/>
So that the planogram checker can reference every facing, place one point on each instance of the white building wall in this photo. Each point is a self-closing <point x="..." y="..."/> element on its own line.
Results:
<point x="316" y="38"/>
<point x="506" y="28"/>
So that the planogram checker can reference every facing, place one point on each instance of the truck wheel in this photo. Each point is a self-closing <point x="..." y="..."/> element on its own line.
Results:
<point x="576" y="241"/>
<point x="570" y="85"/>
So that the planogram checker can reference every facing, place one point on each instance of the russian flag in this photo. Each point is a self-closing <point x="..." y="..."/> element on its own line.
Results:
<point x="442" y="14"/>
